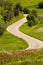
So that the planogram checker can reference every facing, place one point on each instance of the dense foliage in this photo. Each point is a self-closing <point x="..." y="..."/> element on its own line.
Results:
<point x="26" y="10"/>
<point x="8" y="10"/>
<point x="40" y="5"/>
<point x="32" y="18"/>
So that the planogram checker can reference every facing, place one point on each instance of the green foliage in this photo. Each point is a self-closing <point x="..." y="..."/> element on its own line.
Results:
<point x="2" y="29"/>
<point x="18" y="7"/>
<point x="7" y="5"/>
<point x="32" y="18"/>
<point x="40" y="5"/>
<point x="7" y="10"/>
<point x="26" y="11"/>
<point x="2" y="25"/>
<point x="16" y="12"/>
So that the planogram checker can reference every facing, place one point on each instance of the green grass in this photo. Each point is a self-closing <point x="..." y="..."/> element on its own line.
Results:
<point x="31" y="31"/>
<point x="26" y="3"/>
<point x="31" y="59"/>
<point x="12" y="43"/>
<point x="9" y="42"/>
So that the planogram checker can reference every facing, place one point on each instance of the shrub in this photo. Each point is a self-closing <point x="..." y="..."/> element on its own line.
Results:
<point x="16" y="12"/>
<point x="26" y="11"/>
<point x="28" y="17"/>
<point x="32" y="20"/>
<point x="2" y="29"/>
<point x="18" y="7"/>
<point x="7" y="15"/>
<point x="40" y="5"/>
<point x="7" y="5"/>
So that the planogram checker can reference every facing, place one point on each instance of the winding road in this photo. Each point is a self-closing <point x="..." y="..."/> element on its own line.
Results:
<point x="32" y="42"/>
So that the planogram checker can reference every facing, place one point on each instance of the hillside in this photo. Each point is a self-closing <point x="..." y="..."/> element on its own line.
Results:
<point x="26" y="2"/>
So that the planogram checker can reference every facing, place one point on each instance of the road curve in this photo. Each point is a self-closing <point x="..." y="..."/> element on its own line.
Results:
<point x="32" y="42"/>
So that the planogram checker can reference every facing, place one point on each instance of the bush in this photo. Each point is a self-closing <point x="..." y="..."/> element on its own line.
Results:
<point x="18" y="7"/>
<point x="28" y="17"/>
<point x="40" y="5"/>
<point x="32" y="20"/>
<point x="7" y="11"/>
<point x="16" y="12"/>
<point x="7" y="15"/>
<point x="2" y="29"/>
<point x="7" y="5"/>
<point x="26" y="11"/>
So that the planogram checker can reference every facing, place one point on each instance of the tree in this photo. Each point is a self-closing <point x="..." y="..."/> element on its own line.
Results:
<point x="18" y="7"/>
<point x="16" y="12"/>
<point x="32" y="20"/>
<point x="26" y="11"/>
<point x="40" y="5"/>
<point x="8" y="5"/>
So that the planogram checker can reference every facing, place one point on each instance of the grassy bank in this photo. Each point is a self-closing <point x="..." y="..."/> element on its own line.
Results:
<point x="32" y="31"/>
<point x="29" y="57"/>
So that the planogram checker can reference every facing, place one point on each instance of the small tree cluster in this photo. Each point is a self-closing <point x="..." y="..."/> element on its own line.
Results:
<point x="17" y="9"/>
<point x="40" y="5"/>
<point x="26" y="11"/>
<point x="32" y="18"/>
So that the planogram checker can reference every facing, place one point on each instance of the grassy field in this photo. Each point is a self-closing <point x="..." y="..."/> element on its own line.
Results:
<point x="28" y="58"/>
<point x="26" y="3"/>
<point x="32" y="31"/>
<point x="10" y="42"/>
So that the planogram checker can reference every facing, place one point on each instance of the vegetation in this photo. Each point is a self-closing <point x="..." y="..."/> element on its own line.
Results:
<point x="40" y="5"/>
<point x="32" y="18"/>
<point x="18" y="7"/>
<point x="10" y="12"/>
<point x="26" y="11"/>
<point x="2" y="29"/>
<point x="11" y="43"/>
<point x="32" y="31"/>
<point x="29" y="57"/>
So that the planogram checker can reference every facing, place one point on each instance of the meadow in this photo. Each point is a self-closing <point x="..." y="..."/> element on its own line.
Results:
<point x="33" y="31"/>
<point x="29" y="57"/>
